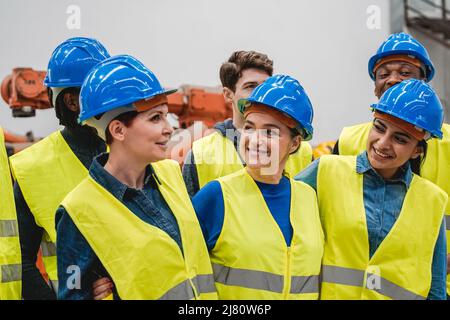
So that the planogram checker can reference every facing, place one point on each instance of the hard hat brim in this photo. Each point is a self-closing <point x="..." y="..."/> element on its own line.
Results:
<point x="381" y="107"/>
<point x="429" y="67"/>
<point x="124" y="103"/>
<point x="244" y="103"/>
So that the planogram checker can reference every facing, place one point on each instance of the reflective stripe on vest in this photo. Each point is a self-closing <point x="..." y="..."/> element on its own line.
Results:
<point x="264" y="280"/>
<point x="11" y="272"/>
<point x="204" y="283"/>
<point x="435" y="168"/>
<point x="9" y="228"/>
<point x="215" y="156"/>
<point x="10" y="253"/>
<point x="252" y="279"/>
<point x="402" y="263"/>
<point x="353" y="277"/>
<point x="44" y="181"/>
<point x="146" y="262"/>
<point x="303" y="284"/>
<point x="48" y="248"/>
<point x="183" y="291"/>
<point x="255" y="263"/>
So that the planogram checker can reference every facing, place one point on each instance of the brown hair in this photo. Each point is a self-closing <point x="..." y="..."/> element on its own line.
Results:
<point x="231" y="71"/>
<point x="126" y="118"/>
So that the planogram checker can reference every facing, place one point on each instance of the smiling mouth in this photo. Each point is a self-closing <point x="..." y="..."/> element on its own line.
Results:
<point x="258" y="152"/>
<point x="381" y="154"/>
<point x="164" y="144"/>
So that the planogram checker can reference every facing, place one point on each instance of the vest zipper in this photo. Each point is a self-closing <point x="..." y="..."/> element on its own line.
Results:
<point x="193" y="287"/>
<point x="287" y="280"/>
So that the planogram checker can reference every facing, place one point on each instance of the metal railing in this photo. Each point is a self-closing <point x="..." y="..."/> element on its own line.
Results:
<point x="436" y="26"/>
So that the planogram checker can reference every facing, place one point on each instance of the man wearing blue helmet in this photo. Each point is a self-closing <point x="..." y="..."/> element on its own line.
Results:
<point x="384" y="226"/>
<point x="399" y="58"/>
<point x="48" y="170"/>
<point x="402" y="57"/>
<point x="261" y="227"/>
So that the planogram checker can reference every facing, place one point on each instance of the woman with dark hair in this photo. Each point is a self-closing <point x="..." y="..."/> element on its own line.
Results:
<point x="261" y="227"/>
<point x="383" y="224"/>
<point x="131" y="219"/>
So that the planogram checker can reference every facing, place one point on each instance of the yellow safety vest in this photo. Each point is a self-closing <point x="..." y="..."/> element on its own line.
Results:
<point x="10" y="255"/>
<point x="251" y="259"/>
<point x="401" y="266"/>
<point x="46" y="172"/>
<point x="215" y="156"/>
<point x="145" y="263"/>
<point x="435" y="168"/>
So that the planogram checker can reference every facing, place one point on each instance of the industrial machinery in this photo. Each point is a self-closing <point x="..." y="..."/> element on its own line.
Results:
<point x="195" y="109"/>
<point x="204" y="104"/>
<point x="24" y="92"/>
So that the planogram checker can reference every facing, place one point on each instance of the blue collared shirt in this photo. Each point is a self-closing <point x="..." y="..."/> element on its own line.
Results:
<point x="72" y="248"/>
<point x="383" y="200"/>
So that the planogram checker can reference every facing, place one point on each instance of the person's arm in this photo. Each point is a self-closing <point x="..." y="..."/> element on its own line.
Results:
<point x="438" y="289"/>
<point x="190" y="174"/>
<point x="78" y="266"/>
<point x="34" y="286"/>
<point x="336" y="148"/>
<point x="309" y="174"/>
<point x="209" y="207"/>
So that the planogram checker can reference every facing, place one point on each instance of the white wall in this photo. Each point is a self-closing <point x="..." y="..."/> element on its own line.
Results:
<point x="324" y="43"/>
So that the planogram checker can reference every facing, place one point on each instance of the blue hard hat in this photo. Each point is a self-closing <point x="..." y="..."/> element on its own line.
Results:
<point x="416" y="102"/>
<point x="402" y="43"/>
<point x="285" y="94"/>
<point x="117" y="82"/>
<point x="72" y="60"/>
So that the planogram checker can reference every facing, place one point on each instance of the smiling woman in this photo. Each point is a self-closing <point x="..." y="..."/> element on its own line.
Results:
<point x="385" y="234"/>
<point x="133" y="200"/>
<point x="262" y="228"/>
<point x="393" y="142"/>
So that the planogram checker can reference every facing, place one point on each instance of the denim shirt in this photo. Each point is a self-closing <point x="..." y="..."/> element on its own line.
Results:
<point x="383" y="200"/>
<point x="72" y="248"/>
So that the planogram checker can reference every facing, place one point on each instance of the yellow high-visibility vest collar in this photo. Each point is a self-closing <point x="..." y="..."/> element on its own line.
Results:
<point x="401" y="266"/>
<point x="436" y="167"/>
<point x="146" y="262"/>
<point x="10" y="254"/>
<point x="46" y="172"/>
<point x="215" y="156"/>
<point x="251" y="259"/>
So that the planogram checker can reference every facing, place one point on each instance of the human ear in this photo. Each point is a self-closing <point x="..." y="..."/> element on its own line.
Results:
<point x="228" y="94"/>
<point x="117" y="130"/>
<point x="72" y="102"/>
<point x="418" y="151"/>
